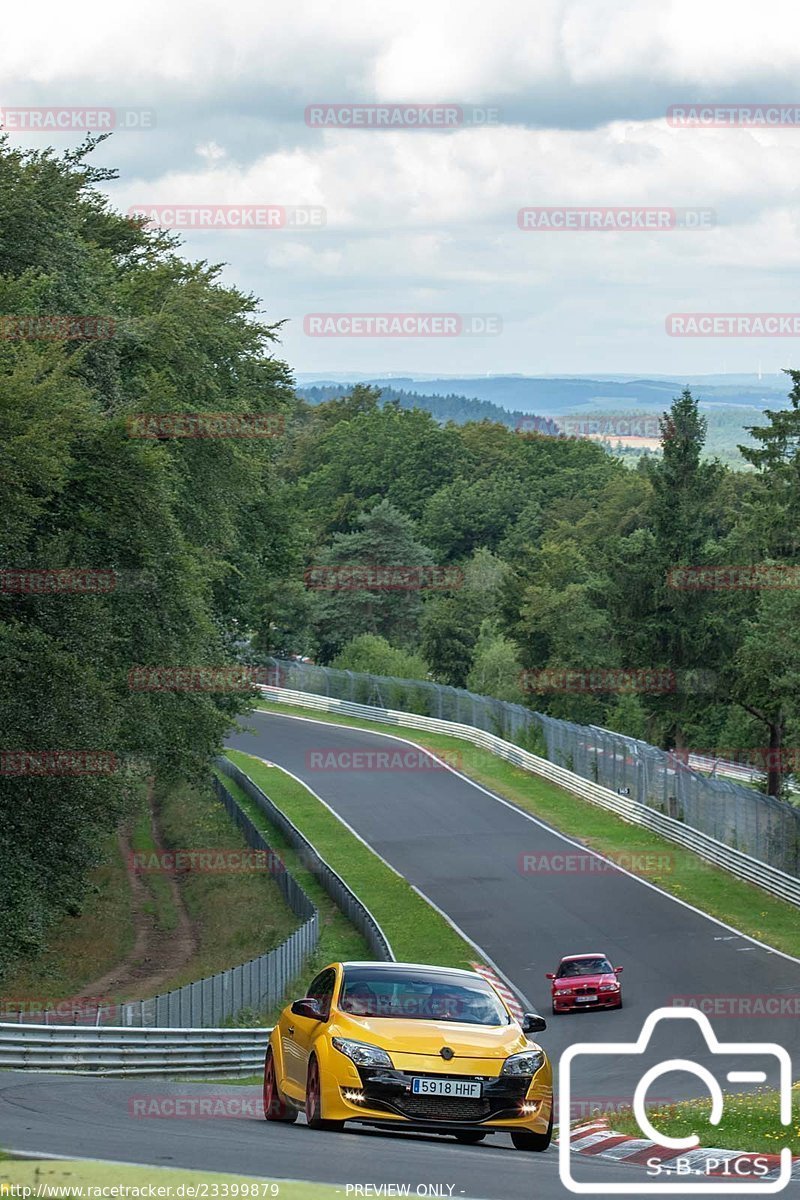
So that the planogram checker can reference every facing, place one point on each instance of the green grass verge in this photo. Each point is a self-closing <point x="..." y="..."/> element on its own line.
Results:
<point x="750" y="1121"/>
<point x="84" y="947"/>
<point x="83" y="1176"/>
<point x="159" y="905"/>
<point x="683" y="874"/>
<point x="417" y="932"/>
<point x="236" y="915"/>
<point x="339" y="940"/>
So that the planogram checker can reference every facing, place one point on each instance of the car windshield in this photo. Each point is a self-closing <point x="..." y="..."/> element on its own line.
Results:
<point x="420" y="995"/>
<point x="584" y="966"/>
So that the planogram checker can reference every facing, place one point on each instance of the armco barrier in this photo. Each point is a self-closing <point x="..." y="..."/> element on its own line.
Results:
<point x="732" y="770"/>
<point x="787" y="887"/>
<point x="764" y="827"/>
<point x="358" y="914"/>
<point x="111" y="1050"/>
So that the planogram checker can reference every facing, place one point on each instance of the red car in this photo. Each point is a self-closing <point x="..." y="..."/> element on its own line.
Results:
<point x="585" y="981"/>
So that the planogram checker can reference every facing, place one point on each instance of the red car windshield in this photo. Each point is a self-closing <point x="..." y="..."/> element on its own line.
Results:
<point x="584" y="966"/>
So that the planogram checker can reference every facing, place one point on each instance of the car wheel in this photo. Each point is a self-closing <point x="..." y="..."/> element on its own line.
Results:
<point x="469" y="1139"/>
<point x="523" y="1139"/>
<point x="275" y="1107"/>
<point x="314" y="1118"/>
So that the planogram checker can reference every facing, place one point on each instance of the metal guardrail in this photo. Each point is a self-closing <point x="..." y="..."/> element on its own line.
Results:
<point x="343" y="896"/>
<point x="778" y="883"/>
<point x="742" y="771"/>
<point x="111" y="1050"/>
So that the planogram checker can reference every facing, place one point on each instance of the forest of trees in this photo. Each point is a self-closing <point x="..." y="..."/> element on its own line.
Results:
<point x="450" y="407"/>
<point x="727" y="423"/>
<point x="565" y="557"/>
<point x="559" y="552"/>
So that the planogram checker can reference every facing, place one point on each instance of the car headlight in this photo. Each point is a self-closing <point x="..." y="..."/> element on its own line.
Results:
<point x="526" y="1063"/>
<point x="609" y="987"/>
<point x="362" y="1054"/>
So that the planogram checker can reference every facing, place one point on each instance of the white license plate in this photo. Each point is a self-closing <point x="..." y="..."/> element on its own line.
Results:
<point x="462" y="1089"/>
<point x="584" y="999"/>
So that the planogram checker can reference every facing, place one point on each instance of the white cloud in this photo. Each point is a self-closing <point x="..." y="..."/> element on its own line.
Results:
<point x="419" y="219"/>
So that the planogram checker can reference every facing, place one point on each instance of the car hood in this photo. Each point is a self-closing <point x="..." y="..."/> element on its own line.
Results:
<point x="404" y="1036"/>
<point x="584" y="981"/>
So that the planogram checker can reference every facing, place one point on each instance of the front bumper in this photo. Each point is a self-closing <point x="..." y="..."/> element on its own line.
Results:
<point x="507" y="1102"/>
<point x="573" y="1003"/>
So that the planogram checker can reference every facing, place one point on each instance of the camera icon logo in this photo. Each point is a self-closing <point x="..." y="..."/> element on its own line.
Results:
<point x="623" y="1049"/>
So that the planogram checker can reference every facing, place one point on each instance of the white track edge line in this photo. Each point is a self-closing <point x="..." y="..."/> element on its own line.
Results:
<point x="542" y="824"/>
<point x="479" y="949"/>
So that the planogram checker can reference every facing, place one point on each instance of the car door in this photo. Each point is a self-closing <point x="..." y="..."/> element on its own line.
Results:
<point x="298" y="1033"/>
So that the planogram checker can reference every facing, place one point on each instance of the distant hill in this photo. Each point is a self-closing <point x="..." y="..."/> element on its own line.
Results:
<point x="552" y="396"/>
<point x="452" y="407"/>
<point x="727" y="417"/>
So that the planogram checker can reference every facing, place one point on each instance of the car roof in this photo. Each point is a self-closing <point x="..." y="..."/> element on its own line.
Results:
<point x="596" y="954"/>
<point x="431" y="967"/>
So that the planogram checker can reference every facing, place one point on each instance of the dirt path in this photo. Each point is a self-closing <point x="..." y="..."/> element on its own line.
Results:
<point x="157" y="954"/>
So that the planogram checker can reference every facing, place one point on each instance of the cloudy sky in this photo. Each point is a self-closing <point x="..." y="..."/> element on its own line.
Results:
<point x="564" y="106"/>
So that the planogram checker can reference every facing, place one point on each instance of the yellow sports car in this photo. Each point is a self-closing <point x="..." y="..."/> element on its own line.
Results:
<point x="398" y="1045"/>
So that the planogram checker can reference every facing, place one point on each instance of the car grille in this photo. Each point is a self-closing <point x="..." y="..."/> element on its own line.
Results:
<point x="443" y="1108"/>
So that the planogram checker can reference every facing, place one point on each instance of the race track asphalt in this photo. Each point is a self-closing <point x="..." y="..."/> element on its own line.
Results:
<point x="461" y="847"/>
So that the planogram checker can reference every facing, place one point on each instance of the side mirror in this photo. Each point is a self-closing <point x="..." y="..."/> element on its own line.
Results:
<point x="618" y="970"/>
<point x="549" y="975"/>
<point x="307" y="1008"/>
<point x="533" y="1023"/>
